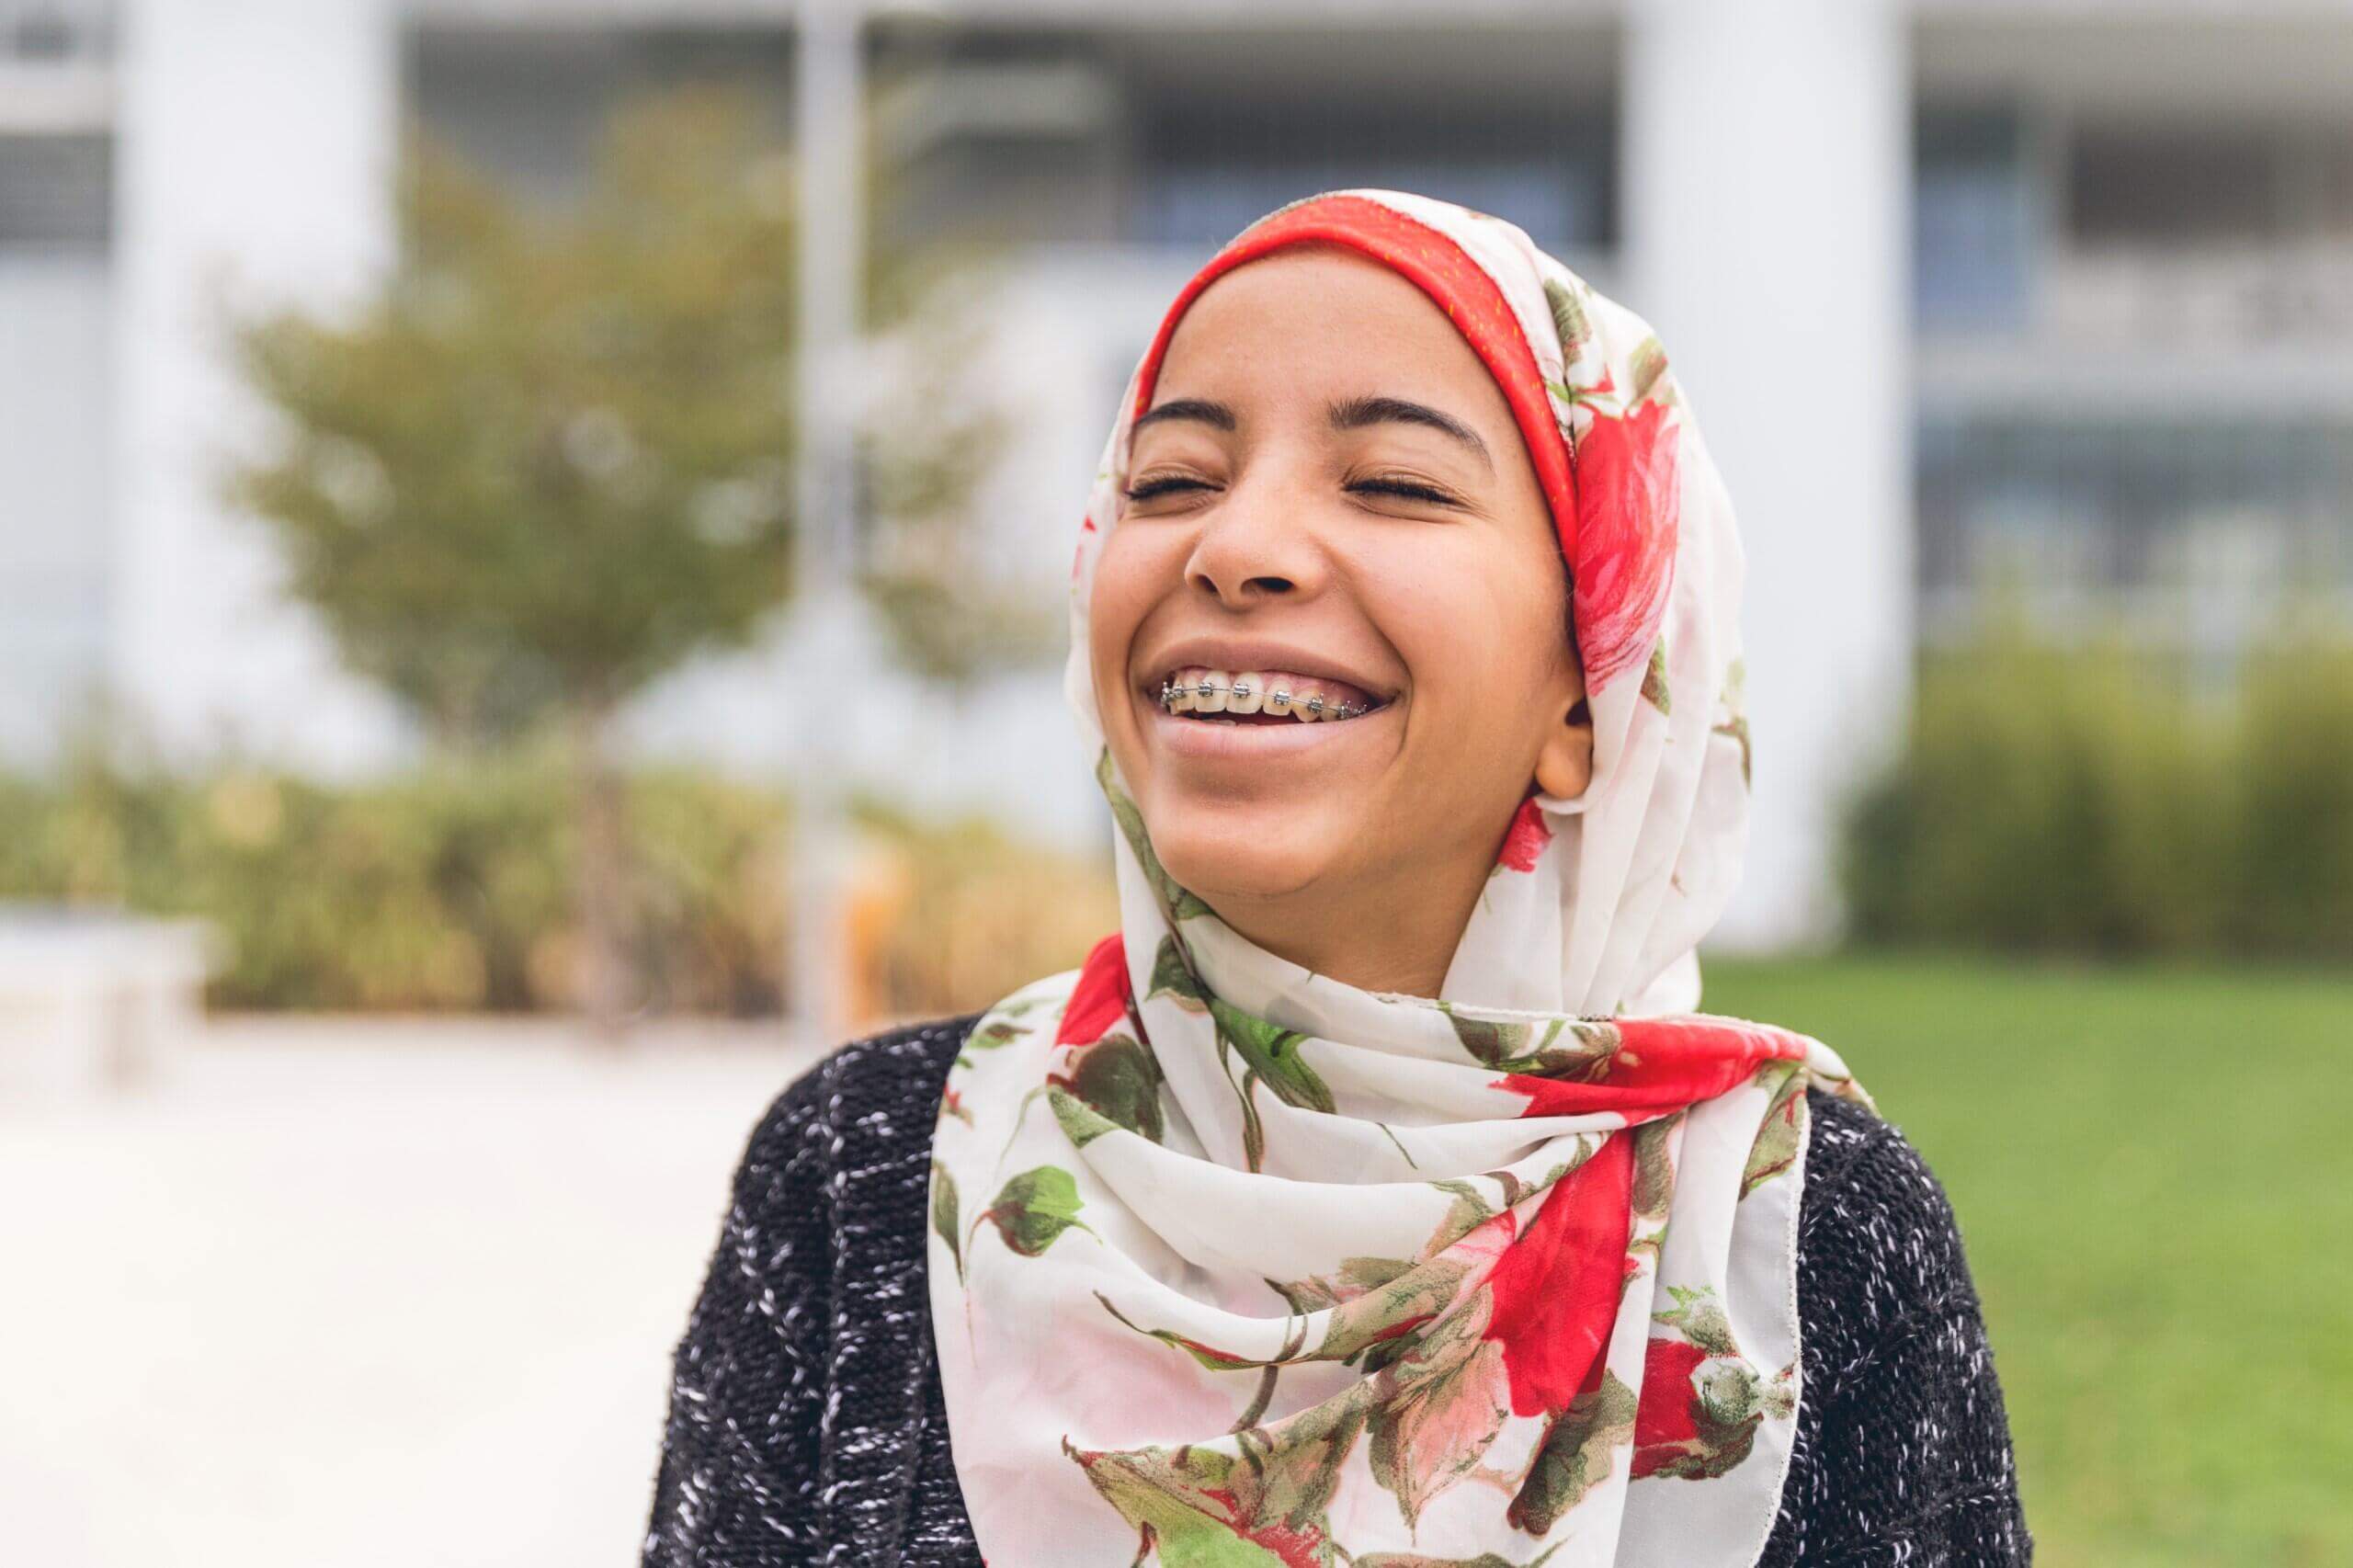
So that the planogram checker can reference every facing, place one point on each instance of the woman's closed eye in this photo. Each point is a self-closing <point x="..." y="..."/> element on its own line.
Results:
<point x="1164" y="484"/>
<point x="1405" y="489"/>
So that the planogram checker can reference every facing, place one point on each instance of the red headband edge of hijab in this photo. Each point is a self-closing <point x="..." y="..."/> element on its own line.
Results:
<point x="1440" y="269"/>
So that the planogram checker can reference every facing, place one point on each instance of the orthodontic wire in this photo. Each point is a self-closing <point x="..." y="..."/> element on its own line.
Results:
<point x="1314" y="702"/>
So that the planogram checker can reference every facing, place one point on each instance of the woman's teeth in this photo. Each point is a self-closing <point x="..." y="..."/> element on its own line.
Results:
<point x="1268" y="693"/>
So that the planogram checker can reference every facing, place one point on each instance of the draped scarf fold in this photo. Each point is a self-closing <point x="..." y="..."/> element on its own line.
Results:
<point x="1235" y="1264"/>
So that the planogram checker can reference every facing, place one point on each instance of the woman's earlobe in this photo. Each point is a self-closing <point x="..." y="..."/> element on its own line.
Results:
<point x="1564" y="763"/>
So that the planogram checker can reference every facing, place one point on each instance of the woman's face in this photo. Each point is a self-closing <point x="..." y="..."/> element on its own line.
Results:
<point x="1329" y="485"/>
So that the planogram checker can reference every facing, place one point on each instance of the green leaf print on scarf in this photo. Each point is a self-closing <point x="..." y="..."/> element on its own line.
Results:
<point x="1469" y="1210"/>
<point x="1701" y="1317"/>
<point x="1649" y="361"/>
<point x="1394" y="1301"/>
<point x="943" y="1213"/>
<point x="1594" y="1043"/>
<point x="1034" y="1208"/>
<point x="1490" y="1043"/>
<point x="1208" y="1355"/>
<point x="1355" y="1275"/>
<point x="1390" y="1313"/>
<point x="1735" y="724"/>
<point x="1270" y="1056"/>
<point x="1655" y="678"/>
<point x="1173" y="976"/>
<point x="1080" y="1122"/>
<point x="1574" y="1458"/>
<point x="1568" y="319"/>
<point x="1654" y="1167"/>
<point x="1202" y="1508"/>
<point x="1175" y="902"/>
<point x="1117" y="1078"/>
<point x="1780" y="1136"/>
<point x="1273" y="1052"/>
<point x="999" y="1029"/>
<point x="1444" y="1401"/>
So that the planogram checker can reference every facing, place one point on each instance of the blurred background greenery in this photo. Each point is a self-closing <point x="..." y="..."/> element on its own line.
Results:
<point x="2092" y="803"/>
<point x="2150" y="1166"/>
<point x="450" y="889"/>
<point x="2096" y="798"/>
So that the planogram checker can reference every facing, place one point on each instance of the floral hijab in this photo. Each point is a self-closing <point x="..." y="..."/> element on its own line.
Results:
<point x="1235" y="1264"/>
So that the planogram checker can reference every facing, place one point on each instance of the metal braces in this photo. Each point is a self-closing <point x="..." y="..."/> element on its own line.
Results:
<point x="1314" y="703"/>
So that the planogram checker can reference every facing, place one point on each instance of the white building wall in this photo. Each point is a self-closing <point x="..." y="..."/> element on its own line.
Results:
<point x="255" y="155"/>
<point x="1767" y="203"/>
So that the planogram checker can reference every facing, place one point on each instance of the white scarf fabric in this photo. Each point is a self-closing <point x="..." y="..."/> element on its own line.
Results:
<point x="1235" y="1264"/>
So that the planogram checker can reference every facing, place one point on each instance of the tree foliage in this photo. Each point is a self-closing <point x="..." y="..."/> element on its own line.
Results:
<point x="551" y="459"/>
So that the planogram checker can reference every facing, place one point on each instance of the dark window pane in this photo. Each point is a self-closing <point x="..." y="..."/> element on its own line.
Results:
<point x="1972" y="220"/>
<point x="1212" y="164"/>
<point x="2177" y="184"/>
<point x="54" y="191"/>
<point x="2217" y="518"/>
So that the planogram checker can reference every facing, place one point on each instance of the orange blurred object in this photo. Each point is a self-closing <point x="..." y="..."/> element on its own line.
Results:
<point x="879" y="887"/>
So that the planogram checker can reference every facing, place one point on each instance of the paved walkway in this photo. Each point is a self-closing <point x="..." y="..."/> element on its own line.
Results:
<point x="327" y="1295"/>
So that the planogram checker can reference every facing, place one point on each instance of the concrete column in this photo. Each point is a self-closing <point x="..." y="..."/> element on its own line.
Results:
<point x="1768" y="181"/>
<point x="257" y="140"/>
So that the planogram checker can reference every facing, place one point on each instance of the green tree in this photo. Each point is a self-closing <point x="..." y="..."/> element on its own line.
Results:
<point x="550" y="459"/>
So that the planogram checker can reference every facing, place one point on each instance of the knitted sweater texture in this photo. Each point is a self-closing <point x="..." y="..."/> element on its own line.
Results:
<point x="806" y="1425"/>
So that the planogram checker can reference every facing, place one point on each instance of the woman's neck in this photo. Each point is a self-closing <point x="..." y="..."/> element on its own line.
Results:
<point x="1390" y="937"/>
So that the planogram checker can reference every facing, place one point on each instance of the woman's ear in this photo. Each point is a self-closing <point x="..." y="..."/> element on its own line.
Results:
<point x="1564" y="762"/>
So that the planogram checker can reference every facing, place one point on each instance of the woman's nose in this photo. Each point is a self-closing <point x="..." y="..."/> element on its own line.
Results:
<point x="1257" y="543"/>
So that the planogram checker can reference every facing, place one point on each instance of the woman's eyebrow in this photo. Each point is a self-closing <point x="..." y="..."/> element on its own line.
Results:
<point x="1351" y="413"/>
<point x="1196" y="408"/>
<point x="1347" y="413"/>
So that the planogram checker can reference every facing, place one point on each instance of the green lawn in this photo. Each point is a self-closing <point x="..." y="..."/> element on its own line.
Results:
<point x="2154" y="1176"/>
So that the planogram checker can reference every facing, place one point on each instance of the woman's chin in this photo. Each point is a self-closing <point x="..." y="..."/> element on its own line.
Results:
<point x="1246" y="855"/>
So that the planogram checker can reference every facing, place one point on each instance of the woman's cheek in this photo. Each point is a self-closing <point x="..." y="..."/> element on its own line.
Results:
<point x="1112" y="617"/>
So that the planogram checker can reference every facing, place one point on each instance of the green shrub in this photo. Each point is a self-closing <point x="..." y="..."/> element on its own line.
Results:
<point x="451" y="888"/>
<point x="2295" y="859"/>
<point x="2102" y="801"/>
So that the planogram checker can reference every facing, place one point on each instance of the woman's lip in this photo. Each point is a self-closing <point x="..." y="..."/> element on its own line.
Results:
<point x="1211" y="740"/>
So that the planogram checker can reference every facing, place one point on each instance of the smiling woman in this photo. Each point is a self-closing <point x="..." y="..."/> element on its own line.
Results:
<point x="1328" y="468"/>
<point x="1375" y="1196"/>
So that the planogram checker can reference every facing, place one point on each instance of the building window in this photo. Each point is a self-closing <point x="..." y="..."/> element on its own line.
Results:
<point x="2188" y="531"/>
<point x="56" y="32"/>
<point x="54" y="192"/>
<point x="1210" y="167"/>
<point x="2177" y="187"/>
<point x="1972" y="222"/>
<point x="532" y="107"/>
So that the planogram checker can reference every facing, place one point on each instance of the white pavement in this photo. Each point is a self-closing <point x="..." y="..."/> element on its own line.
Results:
<point x="333" y="1294"/>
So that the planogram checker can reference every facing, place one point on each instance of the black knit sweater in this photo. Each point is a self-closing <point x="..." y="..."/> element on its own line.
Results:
<point x="806" y="1425"/>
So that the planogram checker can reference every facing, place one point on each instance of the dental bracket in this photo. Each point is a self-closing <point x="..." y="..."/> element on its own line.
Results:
<point x="1169" y="691"/>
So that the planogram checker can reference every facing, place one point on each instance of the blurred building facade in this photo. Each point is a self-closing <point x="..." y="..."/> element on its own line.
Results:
<point x="1962" y="293"/>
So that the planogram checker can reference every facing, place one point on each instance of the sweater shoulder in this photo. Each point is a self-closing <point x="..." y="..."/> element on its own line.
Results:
<point x="1902" y="1451"/>
<point x="1863" y="1174"/>
<point x="1878" y="1245"/>
<point x="875" y="1080"/>
<point x="908" y="1061"/>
